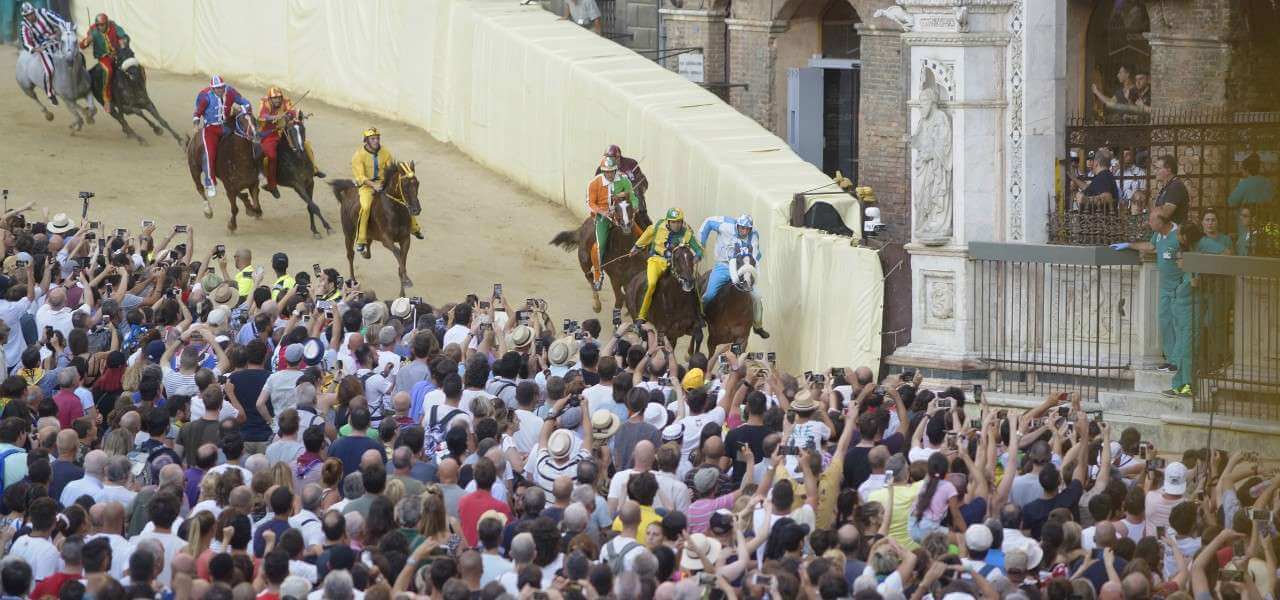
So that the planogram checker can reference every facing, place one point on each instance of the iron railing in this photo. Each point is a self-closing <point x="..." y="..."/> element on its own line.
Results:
<point x="1048" y="317"/>
<point x="1235" y="335"/>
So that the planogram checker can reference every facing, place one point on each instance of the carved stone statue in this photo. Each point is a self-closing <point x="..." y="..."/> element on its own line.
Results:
<point x="931" y="171"/>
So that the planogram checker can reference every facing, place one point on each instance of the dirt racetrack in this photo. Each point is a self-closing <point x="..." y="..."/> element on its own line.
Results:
<point x="481" y="229"/>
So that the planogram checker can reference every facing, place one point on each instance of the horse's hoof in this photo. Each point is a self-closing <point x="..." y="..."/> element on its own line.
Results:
<point x="159" y="132"/>
<point x="406" y="282"/>
<point x="208" y="210"/>
<point x="231" y="226"/>
<point x="595" y="304"/>
<point x="48" y="116"/>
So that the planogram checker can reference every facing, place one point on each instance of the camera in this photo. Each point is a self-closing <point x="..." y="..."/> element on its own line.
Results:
<point x="579" y="335"/>
<point x="86" y="195"/>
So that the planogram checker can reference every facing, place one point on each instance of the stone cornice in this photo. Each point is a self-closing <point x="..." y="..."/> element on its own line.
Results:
<point x="865" y="29"/>
<point x="685" y="14"/>
<point x="1186" y="41"/>
<point x="756" y="25"/>
<point x="985" y="38"/>
<point x="974" y="6"/>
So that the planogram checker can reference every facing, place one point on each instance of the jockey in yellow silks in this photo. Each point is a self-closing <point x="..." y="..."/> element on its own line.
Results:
<point x="369" y="167"/>
<point x="660" y="239"/>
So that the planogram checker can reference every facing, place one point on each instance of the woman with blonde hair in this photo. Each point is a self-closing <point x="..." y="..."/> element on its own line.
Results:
<point x="330" y="479"/>
<point x="282" y="476"/>
<point x="199" y="531"/>
<point x="436" y="525"/>
<point x="208" y="500"/>
<point x="394" y="491"/>
<point x="118" y="443"/>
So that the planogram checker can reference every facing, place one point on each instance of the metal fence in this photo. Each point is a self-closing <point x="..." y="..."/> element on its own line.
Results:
<point x="1049" y="317"/>
<point x="1235" y="335"/>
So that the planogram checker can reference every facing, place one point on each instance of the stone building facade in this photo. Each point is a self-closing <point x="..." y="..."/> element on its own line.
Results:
<point x="1024" y="65"/>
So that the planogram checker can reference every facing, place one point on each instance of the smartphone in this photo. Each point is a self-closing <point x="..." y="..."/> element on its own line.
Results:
<point x="1231" y="575"/>
<point x="1142" y="450"/>
<point x="497" y="290"/>
<point x="1156" y="463"/>
<point x="21" y="264"/>
<point x="1064" y="411"/>
<point x="735" y="348"/>
<point x="944" y="402"/>
<point x="102" y="244"/>
<point x="772" y="357"/>
<point x="566" y="325"/>
<point x="179" y="228"/>
<point x="1258" y="514"/>
<point x="579" y="335"/>
<point x="522" y="317"/>
<point x="789" y="450"/>
<point x="1095" y="416"/>
<point x="761" y="579"/>
<point x="888" y="474"/>
<point x="48" y="332"/>
<point x="975" y="423"/>
<point x="110" y="287"/>
<point x="977" y="391"/>
<point x="837" y="372"/>
<point x="664" y="382"/>
<point x="908" y="375"/>
<point x="953" y="442"/>
<point x="191" y="279"/>
<point x="617" y="317"/>
<point x="808" y="375"/>
<point x="724" y="361"/>
<point x="819" y="378"/>
<point x="121" y="232"/>
<point x="328" y="314"/>
<point x="484" y="304"/>
<point x="219" y="251"/>
<point x="706" y="579"/>
<point x="148" y="223"/>
<point x="1160" y="532"/>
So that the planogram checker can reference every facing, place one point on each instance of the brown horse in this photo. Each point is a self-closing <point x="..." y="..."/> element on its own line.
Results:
<point x="731" y="313"/>
<point x="388" y="217"/>
<point x="237" y="166"/>
<point x="617" y="265"/>
<point x="674" y="311"/>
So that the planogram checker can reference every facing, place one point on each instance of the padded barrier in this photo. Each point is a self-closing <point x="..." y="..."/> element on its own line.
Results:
<point x="538" y="99"/>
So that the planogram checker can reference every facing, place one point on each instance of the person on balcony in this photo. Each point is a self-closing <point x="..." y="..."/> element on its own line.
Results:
<point x="585" y="13"/>
<point x="1172" y="199"/>
<point x="1174" y="309"/>
<point x="1099" y="193"/>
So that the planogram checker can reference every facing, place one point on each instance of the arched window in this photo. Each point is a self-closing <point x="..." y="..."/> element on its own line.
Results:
<point x="1118" y="77"/>
<point x="839" y="34"/>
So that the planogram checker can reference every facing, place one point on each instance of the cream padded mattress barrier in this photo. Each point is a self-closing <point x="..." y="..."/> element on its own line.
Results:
<point x="538" y="99"/>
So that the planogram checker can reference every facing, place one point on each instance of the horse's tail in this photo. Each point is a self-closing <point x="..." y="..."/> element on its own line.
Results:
<point x="340" y="186"/>
<point x="566" y="240"/>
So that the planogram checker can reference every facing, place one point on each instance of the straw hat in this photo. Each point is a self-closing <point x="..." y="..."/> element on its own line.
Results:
<point x="604" y="424"/>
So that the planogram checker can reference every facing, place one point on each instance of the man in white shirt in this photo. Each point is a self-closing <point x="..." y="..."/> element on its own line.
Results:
<point x="878" y="458"/>
<point x="642" y="462"/>
<point x="119" y="468"/>
<point x="163" y="511"/>
<point x="387" y="357"/>
<point x="95" y="469"/>
<point x="35" y="547"/>
<point x="528" y="423"/>
<point x="1132" y="177"/>
<point x="306" y="520"/>
<point x="232" y="446"/>
<point x="56" y="314"/>
<point x="14" y="305"/>
<point x="554" y="456"/>
<point x="111" y="522"/>
<point x="457" y="333"/>
<point x="625" y="546"/>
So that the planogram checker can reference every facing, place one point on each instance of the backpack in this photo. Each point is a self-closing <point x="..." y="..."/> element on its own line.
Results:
<point x="617" y="558"/>
<point x="435" y="430"/>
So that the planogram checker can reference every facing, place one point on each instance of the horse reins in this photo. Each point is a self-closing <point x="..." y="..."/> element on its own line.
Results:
<point x="405" y="171"/>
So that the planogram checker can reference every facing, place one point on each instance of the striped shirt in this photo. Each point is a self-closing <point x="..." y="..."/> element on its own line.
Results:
<point x="546" y="470"/>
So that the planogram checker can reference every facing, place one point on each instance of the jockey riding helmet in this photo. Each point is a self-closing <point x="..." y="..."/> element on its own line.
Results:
<point x="744" y="222"/>
<point x="27" y="9"/>
<point x="614" y="151"/>
<point x="609" y="164"/>
<point x="371" y="132"/>
<point x="216" y="82"/>
<point x="101" y="20"/>
<point x="675" y="214"/>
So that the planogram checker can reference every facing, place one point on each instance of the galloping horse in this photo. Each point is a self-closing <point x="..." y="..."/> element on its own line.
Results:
<point x="388" y="217"/>
<point x="674" y="312"/>
<point x="617" y="264"/>
<point x="129" y="96"/>
<point x="70" y="79"/>
<point x="237" y="168"/>
<point x="731" y="313"/>
<point x="294" y="169"/>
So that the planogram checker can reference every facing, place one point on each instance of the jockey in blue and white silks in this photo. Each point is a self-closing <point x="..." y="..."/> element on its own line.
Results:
<point x="737" y="247"/>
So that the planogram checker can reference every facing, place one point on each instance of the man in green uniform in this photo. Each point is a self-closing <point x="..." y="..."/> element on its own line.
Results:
<point x="1174" y="309"/>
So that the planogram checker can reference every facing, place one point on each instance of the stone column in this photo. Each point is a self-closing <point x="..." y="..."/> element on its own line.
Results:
<point x="752" y="59"/>
<point x="1041" y="127"/>
<point x="883" y="161"/>
<point x="698" y="28"/>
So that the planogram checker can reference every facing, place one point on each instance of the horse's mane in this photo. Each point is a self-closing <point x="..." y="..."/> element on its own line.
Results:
<point x="342" y="185"/>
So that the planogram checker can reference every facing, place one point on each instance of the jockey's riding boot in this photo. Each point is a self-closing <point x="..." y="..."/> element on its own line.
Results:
<point x="418" y="234"/>
<point x="272" y="189"/>
<point x="319" y="174"/>
<point x="53" y="100"/>
<point x="764" y="335"/>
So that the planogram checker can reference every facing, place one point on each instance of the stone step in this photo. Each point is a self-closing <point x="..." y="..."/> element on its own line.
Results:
<point x="1151" y="380"/>
<point x="1140" y="404"/>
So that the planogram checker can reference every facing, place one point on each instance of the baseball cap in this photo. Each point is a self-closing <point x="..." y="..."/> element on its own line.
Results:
<point x="705" y="479"/>
<point x="1175" y="479"/>
<point x="155" y="349"/>
<point x="978" y="537"/>
<point x="293" y="353"/>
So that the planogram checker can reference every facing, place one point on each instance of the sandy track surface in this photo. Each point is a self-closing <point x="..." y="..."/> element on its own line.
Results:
<point x="480" y="227"/>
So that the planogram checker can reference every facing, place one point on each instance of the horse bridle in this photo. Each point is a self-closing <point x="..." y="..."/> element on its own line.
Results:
<point x="250" y="131"/>
<point x="406" y="172"/>
<point x="680" y="278"/>
<point x="739" y="262"/>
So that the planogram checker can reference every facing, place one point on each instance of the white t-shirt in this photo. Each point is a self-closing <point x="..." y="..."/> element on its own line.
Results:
<point x="121" y="549"/>
<point x="616" y="547"/>
<point x="598" y="394"/>
<point x="40" y="553"/>
<point x="529" y="428"/>
<point x="228" y="410"/>
<point x="171" y="543"/>
<point x="810" y="434"/>
<point x="455" y="335"/>
<point x="59" y="319"/>
<point x="545" y="470"/>
<point x="692" y="431"/>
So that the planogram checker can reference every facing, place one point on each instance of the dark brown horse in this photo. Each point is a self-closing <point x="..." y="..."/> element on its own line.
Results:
<point x="294" y="169"/>
<point x="388" y="217"/>
<point x="237" y="166"/>
<point x="129" y="95"/>
<point x="731" y="313"/>
<point x="617" y="265"/>
<point x="674" y="311"/>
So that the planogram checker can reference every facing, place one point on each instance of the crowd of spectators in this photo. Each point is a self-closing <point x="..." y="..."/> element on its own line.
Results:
<point x="189" y="429"/>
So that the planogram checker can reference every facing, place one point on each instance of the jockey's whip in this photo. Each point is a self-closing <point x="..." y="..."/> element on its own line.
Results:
<point x="627" y="255"/>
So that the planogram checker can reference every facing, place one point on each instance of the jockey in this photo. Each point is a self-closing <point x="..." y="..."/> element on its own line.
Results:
<point x="41" y="29"/>
<point x="273" y="112"/>
<point x="107" y="39"/>
<point x="660" y="239"/>
<point x="736" y="237"/>
<point x="213" y="106"/>
<point x="368" y="167"/>
<point x="628" y="167"/>
<point x="606" y="189"/>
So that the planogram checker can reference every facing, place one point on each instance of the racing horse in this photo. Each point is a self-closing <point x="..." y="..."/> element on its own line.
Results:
<point x="674" y="312"/>
<point x="237" y="166"/>
<point x="70" y="79"/>
<point x="129" y="96"/>
<point x="617" y="265"/>
<point x="294" y="169"/>
<point x="388" y="217"/>
<point x="731" y="313"/>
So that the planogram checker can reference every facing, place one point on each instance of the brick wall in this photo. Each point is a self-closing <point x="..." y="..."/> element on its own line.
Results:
<point x="752" y="59"/>
<point x="1190" y="54"/>
<point x="640" y="19"/>
<point x="698" y="29"/>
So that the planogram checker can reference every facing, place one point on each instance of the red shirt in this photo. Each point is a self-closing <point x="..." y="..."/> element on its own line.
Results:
<point x="472" y="505"/>
<point x="69" y="408"/>
<point x="52" y="585"/>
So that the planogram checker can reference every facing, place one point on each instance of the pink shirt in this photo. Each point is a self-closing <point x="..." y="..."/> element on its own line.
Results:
<point x="700" y="511"/>
<point x="938" y="505"/>
<point x="1158" y="509"/>
<point x="69" y="408"/>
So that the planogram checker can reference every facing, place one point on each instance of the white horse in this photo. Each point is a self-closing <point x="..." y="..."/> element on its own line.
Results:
<point x="70" y="79"/>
